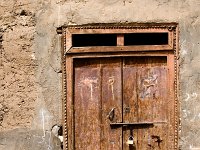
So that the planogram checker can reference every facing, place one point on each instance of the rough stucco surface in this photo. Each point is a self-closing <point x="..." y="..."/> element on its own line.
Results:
<point x="30" y="64"/>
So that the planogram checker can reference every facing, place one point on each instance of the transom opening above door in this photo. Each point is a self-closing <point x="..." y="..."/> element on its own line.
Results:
<point x="89" y="40"/>
<point x="115" y="38"/>
<point x="120" y="86"/>
<point x="146" y="38"/>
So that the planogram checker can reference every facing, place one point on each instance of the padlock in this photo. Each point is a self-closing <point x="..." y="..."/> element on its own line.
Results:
<point x="130" y="140"/>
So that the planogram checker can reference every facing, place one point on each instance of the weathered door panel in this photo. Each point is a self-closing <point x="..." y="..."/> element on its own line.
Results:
<point x="111" y="103"/>
<point x="130" y="105"/>
<point x="146" y="94"/>
<point x="87" y="103"/>
<point x="97" y="103"/>
<point x="152" y="85"/>
<point x="121" y="90"/>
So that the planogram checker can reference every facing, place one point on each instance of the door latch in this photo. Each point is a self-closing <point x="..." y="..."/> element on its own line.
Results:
<point x="111" y="114"/>
<point x="127" y="109"/>
<point x="133" y="124"/>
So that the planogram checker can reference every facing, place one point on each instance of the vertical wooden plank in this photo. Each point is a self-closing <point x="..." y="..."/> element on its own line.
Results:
<point x="68" y="41"/>
<point x="144" y="104"/>
<point x="152" y="97"/>
<point x="111" y="103"/>
<point x="120" y="40"/>
<point x="170" y="39"/>
<point x="152" y="84"/>
<point x="69" y="79"/>
<point x="171" y="102"/>
<point x="130" y="106"/>
<point x="86" y="104"/>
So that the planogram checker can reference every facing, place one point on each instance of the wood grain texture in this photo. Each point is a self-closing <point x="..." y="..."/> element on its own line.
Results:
<point x="147" y="83"/>
<point x="104" y="49"/>
<point x="86" y="105"/>
<point x="69" y="112"/>
<point x="135" y="88"/>
<point x="130" y="105"/>
<point x="157" y="103"/>
<point x="111" y="99"/>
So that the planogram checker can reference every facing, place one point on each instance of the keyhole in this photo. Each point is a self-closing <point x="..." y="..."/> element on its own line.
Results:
<point x="127" y="109"/>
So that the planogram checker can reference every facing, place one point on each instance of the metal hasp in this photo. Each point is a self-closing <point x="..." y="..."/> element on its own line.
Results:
<point x="136" y="124"/>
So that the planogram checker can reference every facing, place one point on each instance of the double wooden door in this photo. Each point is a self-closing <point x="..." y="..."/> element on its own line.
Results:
<point x="122" y="103"/>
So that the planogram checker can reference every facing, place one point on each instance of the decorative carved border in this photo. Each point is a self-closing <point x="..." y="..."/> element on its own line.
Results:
<point x="65" y="135"/>
<point x="170" y="26"/>
<point x="176" y="86"/>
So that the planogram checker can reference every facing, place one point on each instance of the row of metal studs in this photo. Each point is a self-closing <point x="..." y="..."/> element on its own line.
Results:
<point x="64" y="90"/>
<point x="175" y="86"/>
<point x="170" y="27"/>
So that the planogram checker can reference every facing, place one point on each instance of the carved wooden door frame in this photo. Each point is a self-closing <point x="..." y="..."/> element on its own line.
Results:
<point x="70" y="53"/>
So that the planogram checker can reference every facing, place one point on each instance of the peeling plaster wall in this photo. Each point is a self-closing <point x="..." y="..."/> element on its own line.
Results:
<point x="30" y="62"/>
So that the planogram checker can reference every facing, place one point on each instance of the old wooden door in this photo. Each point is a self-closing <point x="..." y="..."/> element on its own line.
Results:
<point x="120" y="99"/>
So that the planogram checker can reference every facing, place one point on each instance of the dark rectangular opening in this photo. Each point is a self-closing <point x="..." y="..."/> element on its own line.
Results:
<point x="86" y="40"/>
<point x="146" y="39"/>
